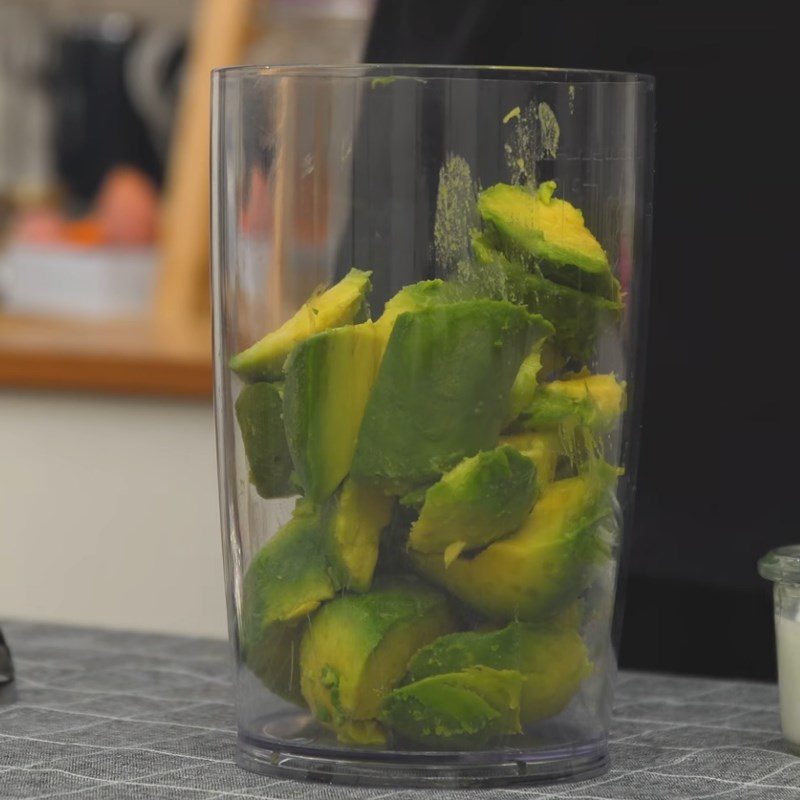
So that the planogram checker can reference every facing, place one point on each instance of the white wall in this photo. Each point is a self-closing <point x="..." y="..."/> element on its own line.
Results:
<point x="109" y="513"/>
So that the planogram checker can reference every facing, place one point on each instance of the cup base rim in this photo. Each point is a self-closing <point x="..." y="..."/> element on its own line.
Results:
<point x="540" y="766"/>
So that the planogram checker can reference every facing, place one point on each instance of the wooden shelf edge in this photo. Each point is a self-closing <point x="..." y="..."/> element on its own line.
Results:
<point x="123" y="358"/>
<point x="109" y="375"/>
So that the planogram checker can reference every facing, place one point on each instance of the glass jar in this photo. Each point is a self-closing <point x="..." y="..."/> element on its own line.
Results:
<point x="428" y="293"/>
<point x="782" y="566"/>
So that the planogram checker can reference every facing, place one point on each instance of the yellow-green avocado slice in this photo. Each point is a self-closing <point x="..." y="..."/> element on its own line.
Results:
<point x="593" y="400"/>
<point x="338" y="305"/>
<point x="551" y="658"/>
<point x="535" y="572"/>
<point x="328" y="380"/>
<point x="550" y="230"/>
<point x="469" y="708"/>
<point x="579" y="318"/>
<point x="259" y="412"/>
<point x="481" y="499"/>
<point x="285" y="582"/>
<point x="353" y="520"/>
<point x="356" y="649"/>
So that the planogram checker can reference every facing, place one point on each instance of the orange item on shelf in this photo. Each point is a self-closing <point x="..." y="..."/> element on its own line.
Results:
<point x="86" y="232"/>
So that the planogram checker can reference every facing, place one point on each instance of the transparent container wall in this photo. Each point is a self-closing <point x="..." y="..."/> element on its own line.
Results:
<point x="443" y="448"/>
<point x="787" y="635"/>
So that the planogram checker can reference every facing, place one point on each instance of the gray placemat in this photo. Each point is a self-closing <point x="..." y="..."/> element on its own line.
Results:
<point x="106" y="714"/>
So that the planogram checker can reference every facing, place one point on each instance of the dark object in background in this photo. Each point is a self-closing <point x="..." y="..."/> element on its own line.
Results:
<point x="6" y="665"/>
<point x="718" y="459"/>
<point x="110" y="99"/>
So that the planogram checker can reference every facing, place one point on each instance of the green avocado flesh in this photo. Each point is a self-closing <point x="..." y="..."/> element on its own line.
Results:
<point x="552" y="660"/>
<point x="462" y="709"/>
<point x="535" y="572"/>
<point x="592" y="400"/>
<point x="578" y="318"/>
<point x="551" y="231"/>
<point x="523" y="389"/>
<point x="273" y="655"/>
<point x="541" y="448"/>
<point x="415" y="297"/>
<point x="336" y="306"/>
<point x="356" y="650"/>
<point x="443" y="390"/>
<point x="288" y="578"/>
<point x="480" y="500"/>
<point x="328" y="381"/>
<point x="259" y="412"/>
<point x="285" y="582"/>
<point x="353" y="521"/>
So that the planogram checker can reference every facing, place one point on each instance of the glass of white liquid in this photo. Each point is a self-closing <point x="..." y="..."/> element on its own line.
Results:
<point x="782" y="566"/>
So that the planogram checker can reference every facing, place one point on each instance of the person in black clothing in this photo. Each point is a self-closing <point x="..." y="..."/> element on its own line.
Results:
<point x="719" y="457"/>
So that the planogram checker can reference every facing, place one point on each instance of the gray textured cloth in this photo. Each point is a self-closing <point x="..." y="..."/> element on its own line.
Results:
<point x="104" y="714"/>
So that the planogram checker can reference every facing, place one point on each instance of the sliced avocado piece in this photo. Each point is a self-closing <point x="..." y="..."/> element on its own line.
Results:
<point x="353" y="521"/>
<point x="259" y="412"/>
<point x="288" y="578"/>
<point x="273" y="655"/>
<point x="542" y="448"/>
<point x="534" y="573"/>
<point x="357" y="647"/>
<point x="524" y="386"/>
<point x="442" y="391"/>
<point x="592" y="400"/>
<point x="552" y="232"/>
<point x="578" y="317"/>
<point x="481" y="499"/>
<point x="414" y="297"/>
<point x="286" y="581"/>
<point x="552" y="659"/>
<point x="469" y="708"/>
<point x="336" y="306"/>
<point x="328" y="380"/>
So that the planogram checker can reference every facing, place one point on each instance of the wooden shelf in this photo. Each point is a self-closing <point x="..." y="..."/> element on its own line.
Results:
<point x="133" y="356"/>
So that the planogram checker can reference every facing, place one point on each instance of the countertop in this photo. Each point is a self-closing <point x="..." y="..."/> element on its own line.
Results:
<point x="108" y="714"/>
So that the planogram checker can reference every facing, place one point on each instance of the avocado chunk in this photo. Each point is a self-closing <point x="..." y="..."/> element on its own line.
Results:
<point x="483" y="498"/>
<point x="336" y="306"/>
<point x="592" y="400"/>
<point x="414" y="297"/>
<point x="541" y="448"/>
<point x="469" y="708"/>
<point x="328" y="380"/>
<point x="353" y="521"/>
<point x="523" y="389"/>
<point x="273" y="655"/>
<point x="534" y="573"/>
<point x="443" y="390"/>
<point x="550" y="231"/>
<point x="285" y="582"/>
<point x="356" y="649"/>
<point x="579" y="318"/>
<point x="288" y="578"/>
<point x="259" y="411"/>
<point x="552" y="660"/>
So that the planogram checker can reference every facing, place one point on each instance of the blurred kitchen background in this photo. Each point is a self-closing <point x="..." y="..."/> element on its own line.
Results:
<point x="108" y="508"/>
